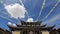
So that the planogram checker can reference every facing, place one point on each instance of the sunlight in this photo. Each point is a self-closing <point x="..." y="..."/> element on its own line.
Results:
<point x="41" y="9"/>
<point x="56" y="17"/>
<point x="51" y="10"/>
<point x="5" y="18"/>
<point x="3" y="12"/>
<point x="21" y="2"/>
<point x="59" y="0"/>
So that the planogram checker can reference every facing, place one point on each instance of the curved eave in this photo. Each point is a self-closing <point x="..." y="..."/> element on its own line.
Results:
<point x="12" y="28"/>
<point x="2" y="29"/>
<point x="23" y="22"/>
<point x="43" y="25"/>
<point x="54" y="30"/>
<point x="30" y="23"/>
<point x="6" y="31"/>
<point x="58" y="29"/>
<point x="48" y="28"/>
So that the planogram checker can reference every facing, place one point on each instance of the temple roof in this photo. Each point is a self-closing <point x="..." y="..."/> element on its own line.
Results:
<point x="30" y="28"/>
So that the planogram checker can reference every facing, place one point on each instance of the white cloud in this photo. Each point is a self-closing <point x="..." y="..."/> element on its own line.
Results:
<point x="53" y="19"/>
<point x="16" y="10"/>
<point x="30" y="20"/>
<point x="13" y="24"/>
<point x="9" y="23"/>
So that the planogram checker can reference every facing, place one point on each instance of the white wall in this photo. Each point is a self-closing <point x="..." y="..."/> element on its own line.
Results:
<point x="16" y="32"/>
<point x="45" y="32"/>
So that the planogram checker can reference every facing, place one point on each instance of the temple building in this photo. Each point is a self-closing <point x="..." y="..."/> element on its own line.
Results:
<point x="30" y="28"/>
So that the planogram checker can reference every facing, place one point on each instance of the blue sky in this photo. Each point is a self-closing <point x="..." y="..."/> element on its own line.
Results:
<point x="33" y="7"/>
